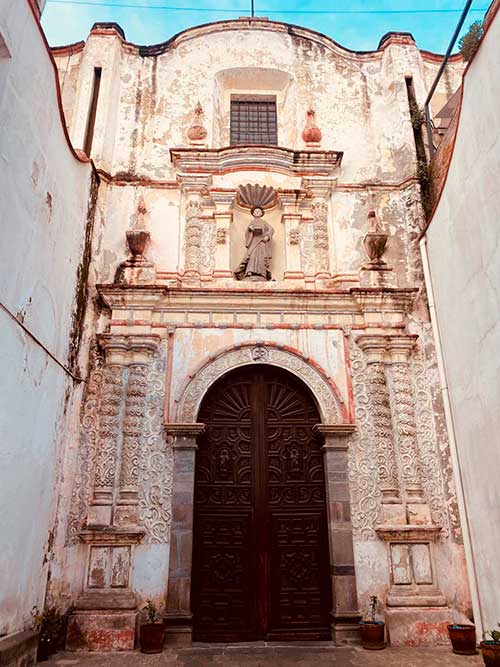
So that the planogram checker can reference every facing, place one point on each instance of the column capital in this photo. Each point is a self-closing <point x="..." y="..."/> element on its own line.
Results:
<point x="124" y="350"/>
<point x="374" y="346"/>
<point x="400" y="347"/>
<point x="184" y="434"/>
<point x="318" y="187"/>
<point x="335" y="435"/>
<point x="196" y="184"/>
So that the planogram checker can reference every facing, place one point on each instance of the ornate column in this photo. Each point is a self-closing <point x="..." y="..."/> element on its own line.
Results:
<point x="120" y="428"/>
<point x="316" y="236"/>
<point x="197" y="247"/>
<point x="403" y="413"/>
<point x="178" y="614"/>
<point x="374" y="347"/>
<point x="223" y="218"/>
<point x="345" y="614"/>
<point x="292" y="219"/>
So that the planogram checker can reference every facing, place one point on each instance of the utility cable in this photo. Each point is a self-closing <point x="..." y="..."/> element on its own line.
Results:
<point x="262" y="10"/>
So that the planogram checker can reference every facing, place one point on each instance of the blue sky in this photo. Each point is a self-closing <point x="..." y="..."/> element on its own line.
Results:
<point x="66" y="22"/>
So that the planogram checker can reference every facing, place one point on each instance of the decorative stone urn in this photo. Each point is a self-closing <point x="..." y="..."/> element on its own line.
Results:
<point x="375" y="242"/>
<point x="197" y="132"/>
<point x="311" y="134"/>
<point x="137" y="241"/>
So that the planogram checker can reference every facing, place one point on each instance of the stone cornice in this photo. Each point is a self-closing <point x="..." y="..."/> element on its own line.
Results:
<point x="184" y="429"/>
<point x="335" y="430"/>
<point x="161" y="298"/>
<point x="260" y="158"/>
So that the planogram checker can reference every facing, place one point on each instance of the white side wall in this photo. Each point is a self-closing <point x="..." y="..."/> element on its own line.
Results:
<point x="43" y="208"/>
<point x="464" y="253"/>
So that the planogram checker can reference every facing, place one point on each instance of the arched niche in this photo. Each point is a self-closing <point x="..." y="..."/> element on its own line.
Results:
<point x="255" y="81"/>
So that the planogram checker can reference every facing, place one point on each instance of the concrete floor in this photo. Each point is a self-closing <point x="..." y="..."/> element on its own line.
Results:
<point x="274" y="655"/>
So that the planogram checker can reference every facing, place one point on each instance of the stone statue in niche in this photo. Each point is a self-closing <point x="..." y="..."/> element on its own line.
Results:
<point x="256" y="262"/>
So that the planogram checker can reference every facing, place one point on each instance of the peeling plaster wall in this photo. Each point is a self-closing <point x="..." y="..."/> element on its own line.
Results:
<point x="463" y="247"/>
<point x="44" y="202"/>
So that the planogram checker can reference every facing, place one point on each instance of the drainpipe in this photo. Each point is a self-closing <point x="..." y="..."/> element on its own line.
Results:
<point x="428" y="122"/>
<point x="455" y="460"/>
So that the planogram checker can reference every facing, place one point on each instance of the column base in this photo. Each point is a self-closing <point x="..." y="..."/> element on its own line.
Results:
<point x="178" y="629"/>
<point x="345" y="629"/>
<point x="418" y="626"/>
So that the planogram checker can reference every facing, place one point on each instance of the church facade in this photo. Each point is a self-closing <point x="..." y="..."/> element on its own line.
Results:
<point x="261" y="442"/>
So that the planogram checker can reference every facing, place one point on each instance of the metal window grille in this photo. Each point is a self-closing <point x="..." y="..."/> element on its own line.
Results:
<point x="254" y="121"/>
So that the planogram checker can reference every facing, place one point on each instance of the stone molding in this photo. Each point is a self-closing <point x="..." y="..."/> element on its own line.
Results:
<point x="125" y="350"/>
<point x="267" y="158"/>
<point x="408" y="533"/>
<point x="321" y="385"/>
<point x="112" y="536"/>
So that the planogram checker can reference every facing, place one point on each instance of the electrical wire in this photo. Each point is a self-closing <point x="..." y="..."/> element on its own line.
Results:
<point x="262" y="11"/>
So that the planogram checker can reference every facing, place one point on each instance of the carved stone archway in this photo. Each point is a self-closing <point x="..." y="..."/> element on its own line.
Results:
<point x="335" y="429"/>
<point x="331" y="406"/>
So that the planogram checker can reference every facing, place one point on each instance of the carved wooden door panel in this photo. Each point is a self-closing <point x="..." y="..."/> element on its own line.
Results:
<point x="260" y="556"/>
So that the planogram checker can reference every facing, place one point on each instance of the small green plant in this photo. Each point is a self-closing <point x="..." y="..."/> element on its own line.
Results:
<point x="417" y="115"/>
<point x="372" y="608"/>
<point x="153" y="612"/>
<point x="468" y="44"/>
<point x="494" y="634"/>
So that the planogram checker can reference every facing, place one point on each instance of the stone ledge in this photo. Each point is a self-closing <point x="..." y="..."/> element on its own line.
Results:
<point x="19" y="647"/>
<point x="106" y="600"/>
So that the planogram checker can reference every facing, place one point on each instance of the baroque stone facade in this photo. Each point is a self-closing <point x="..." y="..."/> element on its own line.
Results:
<point x="352" y="330"/>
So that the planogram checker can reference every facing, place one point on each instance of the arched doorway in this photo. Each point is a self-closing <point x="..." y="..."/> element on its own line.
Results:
<point x="260" y="551"/>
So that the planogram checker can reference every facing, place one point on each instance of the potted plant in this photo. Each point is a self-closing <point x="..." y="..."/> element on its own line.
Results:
<point x="490" y="648"/>
<point x="50" y="624"/>
<point x="152" y="633"/>
<point x="372" y="631"/>
<point x="463" y="639"/>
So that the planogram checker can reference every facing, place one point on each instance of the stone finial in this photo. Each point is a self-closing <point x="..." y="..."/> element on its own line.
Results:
<point x="312" y="134"/>
<point x="141" y="209"/>
<point x="197" y="132"/>
<point x="375" y="242"/>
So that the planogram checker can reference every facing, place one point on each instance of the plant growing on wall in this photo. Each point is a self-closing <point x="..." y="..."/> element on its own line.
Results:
<point x="469" y="43"/>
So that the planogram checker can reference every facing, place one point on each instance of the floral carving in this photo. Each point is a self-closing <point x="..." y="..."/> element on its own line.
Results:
<point x="434" y="457"/>
<point x="294" y="236"/>
<point x="207" y="246"/>
<point x="156" y="462"/>
<point x="307" y="253"/>
<point x="382" y="430"/>
<point x="403" y="411"/>
<point x="193" y="236"/>
<point x="362" y="463"/>
<point x="108" y="432"/>
<point x="132" y="429"/>
<point x="320" y="216"/>
<point x="221" y="235"/>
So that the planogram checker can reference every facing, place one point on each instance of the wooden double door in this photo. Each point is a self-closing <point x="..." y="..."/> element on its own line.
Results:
<point x="260" y="552"/>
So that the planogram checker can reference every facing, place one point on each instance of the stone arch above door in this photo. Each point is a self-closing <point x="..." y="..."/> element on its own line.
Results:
<point x="331" y="406"/>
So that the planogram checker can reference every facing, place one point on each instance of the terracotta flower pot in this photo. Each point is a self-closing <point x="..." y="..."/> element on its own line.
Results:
<point x="152" y="637"/>
<point x="373" y="635"/>
<point x="463" y="639"/>
<point x="491" y="654"/>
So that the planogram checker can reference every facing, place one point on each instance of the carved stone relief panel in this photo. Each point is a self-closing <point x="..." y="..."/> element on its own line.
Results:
<point x="156" y="464"/>
<point x="442" y="499"/>
<point x="320" y="234"/>
<point x="109" y="567"/>
<point x="193" y="235"/>
<point x="363" y="473"/>
<point x="148" y="461"/>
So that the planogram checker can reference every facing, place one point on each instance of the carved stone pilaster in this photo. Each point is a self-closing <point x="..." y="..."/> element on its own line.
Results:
<point x="193" y="236"/>
<point x="374" y="348"/>
<point x="320" y="235"/>
<point x="345" y="614"/>
<point x="135" y="406"/>
<point x="405" y="428"/>
<point x="108" y="436"/>
<point x="182" y="438"/>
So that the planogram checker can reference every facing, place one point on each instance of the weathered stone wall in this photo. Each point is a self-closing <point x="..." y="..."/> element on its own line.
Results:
<point x="462" y="243"/>
<point x="46" y="208"/>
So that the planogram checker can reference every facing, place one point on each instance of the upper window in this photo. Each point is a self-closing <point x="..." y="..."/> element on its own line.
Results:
<point x="253" y="120"/>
